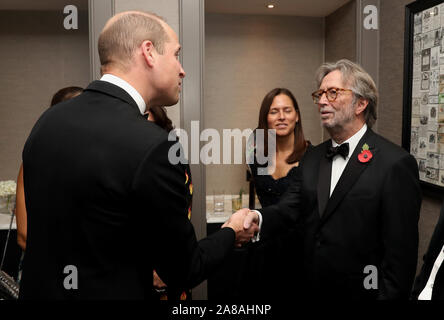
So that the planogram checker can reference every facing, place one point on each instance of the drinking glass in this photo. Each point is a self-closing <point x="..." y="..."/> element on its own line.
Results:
<point x="219" y="207"/>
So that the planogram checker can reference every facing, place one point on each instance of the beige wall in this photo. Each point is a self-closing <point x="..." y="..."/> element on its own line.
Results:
<point x="245" y="57"/>
<point x="37" y="57"/>
<point x="391" y="71"/>
<point x="340" y="33"/>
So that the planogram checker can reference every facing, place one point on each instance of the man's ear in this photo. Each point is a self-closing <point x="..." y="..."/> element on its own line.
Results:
<point x="361" y="105"/>
<point x="149" y="52"/>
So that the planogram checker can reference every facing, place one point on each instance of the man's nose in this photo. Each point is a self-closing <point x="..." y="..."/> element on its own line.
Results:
<point x="181" y="72"/>
<point x="323" y="99"/>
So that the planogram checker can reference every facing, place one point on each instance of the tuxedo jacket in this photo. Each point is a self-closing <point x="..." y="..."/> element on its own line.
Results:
<point x="371" y="219"/>
<point x="435" y="247"/>
<point x="103" y="197"/>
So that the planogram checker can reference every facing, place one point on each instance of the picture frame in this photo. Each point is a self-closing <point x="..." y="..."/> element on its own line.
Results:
<point x="423" y="101"/>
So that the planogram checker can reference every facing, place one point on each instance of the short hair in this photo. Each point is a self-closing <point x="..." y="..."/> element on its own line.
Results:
<point x="65" y="94"/>
<point x="118" y="41"/>
<point x="360" y="81"/>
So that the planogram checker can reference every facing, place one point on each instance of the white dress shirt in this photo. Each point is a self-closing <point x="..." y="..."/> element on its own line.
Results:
<point x="426" y="293"/>
<point x="338" y="166"/>
<point x="128" y="88"/>
<point x="339" y="163"/>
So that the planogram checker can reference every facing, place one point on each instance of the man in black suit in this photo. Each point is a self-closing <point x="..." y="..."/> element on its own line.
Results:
<point x="357" y="199"/>
<point x="105" y="204"/>
<point x="429" y="285"/>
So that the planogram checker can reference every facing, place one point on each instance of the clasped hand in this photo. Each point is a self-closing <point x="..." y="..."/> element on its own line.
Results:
<point x="245" y="224"/>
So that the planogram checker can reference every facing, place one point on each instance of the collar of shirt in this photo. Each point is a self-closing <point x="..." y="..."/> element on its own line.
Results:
<point x="128" y="88"/>
<point x="339" y="163"/>
<point x="353" y="140"/>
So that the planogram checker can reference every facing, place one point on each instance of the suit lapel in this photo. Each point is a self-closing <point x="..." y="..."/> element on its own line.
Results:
<point x="324" y="180"/>
<point x="350" y="174"/>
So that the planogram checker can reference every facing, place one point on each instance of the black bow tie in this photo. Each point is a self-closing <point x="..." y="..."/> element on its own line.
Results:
<point x="341" y="150"/>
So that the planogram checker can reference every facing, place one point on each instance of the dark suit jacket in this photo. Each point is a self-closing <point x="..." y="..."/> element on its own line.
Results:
<point x="370" y="219"/>
<point x="433" y="251"/>
<point x="102" y="196"/>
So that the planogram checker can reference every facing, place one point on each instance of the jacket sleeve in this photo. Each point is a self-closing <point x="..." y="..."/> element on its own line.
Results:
<point x="180" y="260"/>
<point x="400" y="214"/>
<point x="287" y="213"/>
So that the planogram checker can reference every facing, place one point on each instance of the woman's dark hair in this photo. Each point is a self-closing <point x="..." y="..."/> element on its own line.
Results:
<point x="65" y="94"/>
<point x="161" y="118"/>
<point x="300" y="145"/>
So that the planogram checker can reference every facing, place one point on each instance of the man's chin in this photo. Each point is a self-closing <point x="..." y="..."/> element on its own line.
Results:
<point x="171" y="102"/>
<point x="326" y="124"/>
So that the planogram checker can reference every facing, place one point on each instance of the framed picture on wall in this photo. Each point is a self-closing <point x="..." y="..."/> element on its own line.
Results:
<point x="423" y="113"/>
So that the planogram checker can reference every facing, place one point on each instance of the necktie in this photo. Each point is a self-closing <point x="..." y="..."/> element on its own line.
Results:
<point x="342" y="150"/>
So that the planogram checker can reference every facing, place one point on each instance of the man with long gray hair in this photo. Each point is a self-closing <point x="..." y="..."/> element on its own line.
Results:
<point x="358" y="198"/>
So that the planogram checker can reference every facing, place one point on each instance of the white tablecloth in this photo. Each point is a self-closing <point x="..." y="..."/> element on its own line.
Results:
<point x="5" y="219"/>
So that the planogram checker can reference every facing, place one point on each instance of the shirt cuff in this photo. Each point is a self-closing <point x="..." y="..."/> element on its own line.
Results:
<point x="256" y="237"/>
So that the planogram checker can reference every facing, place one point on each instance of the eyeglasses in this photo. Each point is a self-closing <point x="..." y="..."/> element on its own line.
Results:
<point x="331" y="94"/>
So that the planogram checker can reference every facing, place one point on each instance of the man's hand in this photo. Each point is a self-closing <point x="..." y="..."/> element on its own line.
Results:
<point x="157" y="282"/>
<point x="245" y="223"/>
<point x="251" y="219"/>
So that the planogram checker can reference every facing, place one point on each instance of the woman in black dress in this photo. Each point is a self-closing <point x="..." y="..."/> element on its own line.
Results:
<point x="275" y="262"/>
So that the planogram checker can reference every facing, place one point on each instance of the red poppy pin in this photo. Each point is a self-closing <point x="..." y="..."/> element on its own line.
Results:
<point x="365" y="154"/>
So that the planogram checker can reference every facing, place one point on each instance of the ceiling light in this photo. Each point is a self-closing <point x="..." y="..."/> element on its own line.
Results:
<point x="270" y="6"/>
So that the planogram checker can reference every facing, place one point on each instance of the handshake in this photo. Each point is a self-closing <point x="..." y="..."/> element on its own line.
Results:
<point x="245" y="224"/>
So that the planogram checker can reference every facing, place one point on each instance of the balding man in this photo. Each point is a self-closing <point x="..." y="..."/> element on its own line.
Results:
<point x="105" y="204"/>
